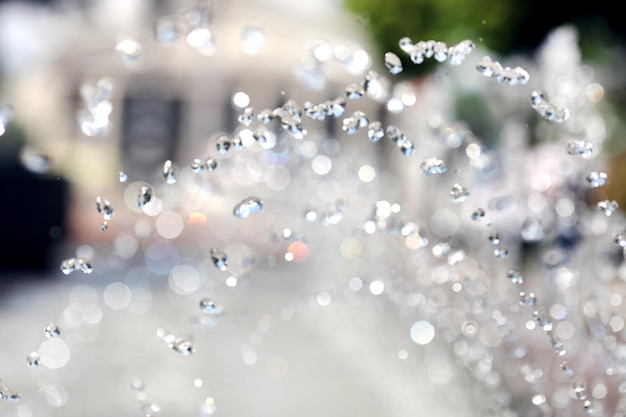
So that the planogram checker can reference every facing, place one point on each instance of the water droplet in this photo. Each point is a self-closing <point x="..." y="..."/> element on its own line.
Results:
<point x="246" y="117"/>
<point x="84" y="265"/>
<point x="375" y="131"/>
<point x="144" y="196"/>
<point x="527" y="299"/>
<point x="395" y="134"/>
<point x="588" y="406"/>
<point x="68" y="265"/>
<point x="34" y="160"/>
<point x="494" y="238"/>
<point x="210" y="164"/>
<point x="580" y="148"/>
<point x="596" y="179"/>
<point x="122" y="177"/>
<point x="8" y="394"/>
<point x="207" y="306"/>
<point x="393" y="63"/>
<point x="104" y="226"/>
<point x="265" y="116"/>
<point x="260" y="136"/>
<point x="169" y="172"/>
<point x="416" y="53"/>
<point x="197" y="165"/>
<point x="182" y="346"/>
<point x="458" y="193"/>
<point x="376" y="86"/>
<point x="547" y="110"/>
<point x="500" y="253"/>
<point x="33" y="359"/>
<point x="289" y="109"/>
<point x="569" y="371"/>
<point x="248" y="206"/>
<point x="352" y="124"/>
<point x="460" y="51"/>
<point x="558" y="346"/>
<point x="478" y="214"/>
<point x="336" y="107"/>
<point x="219" y="258"/>
<point x="433" y="166"/>
<point x="104" y="208"/>
<point x="407" y="148"/>
<point x="237" y="142"/>
<point x="515" y="277"/>
<point x="223" y="144"/>
<point x="579" y="390"/>
<point x="406" y="44"/>
<point x="354" y="91"/>
<point x="76" y="264"/>
<point x="52" y="330"/>
<point x="544" y="322"/>
<point x="608" y="207"/>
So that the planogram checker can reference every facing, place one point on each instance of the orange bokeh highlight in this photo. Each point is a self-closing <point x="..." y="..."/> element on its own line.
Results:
<point x="197" y="219"/>
<point x="299" y="250"/>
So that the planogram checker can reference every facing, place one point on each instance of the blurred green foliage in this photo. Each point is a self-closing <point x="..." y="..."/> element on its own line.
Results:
<point x="449" y="21"/>
<point x="501" y="26"/>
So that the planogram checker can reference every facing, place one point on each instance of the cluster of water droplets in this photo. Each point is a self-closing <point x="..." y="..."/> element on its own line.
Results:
<point x="546" y="109"/>
<point x="8" y="394"/>
<point x="80" y="263"/>
<point x="105" y="210"/>
<point x="596" y="179"/>
<point x="504" y="75"/>
<point x="181" y="345"/>
<point x="455" y="55"/>
<point x="328" y="108"/>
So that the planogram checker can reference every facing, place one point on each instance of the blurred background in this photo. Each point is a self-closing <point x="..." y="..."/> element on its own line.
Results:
<point x="52" y="49"/>
<point x="360" y="287"/>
